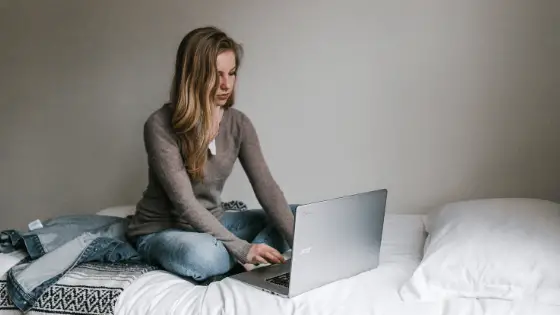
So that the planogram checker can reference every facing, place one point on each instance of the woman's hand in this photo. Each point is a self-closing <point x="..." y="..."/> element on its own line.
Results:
<point x="263" y="254"/>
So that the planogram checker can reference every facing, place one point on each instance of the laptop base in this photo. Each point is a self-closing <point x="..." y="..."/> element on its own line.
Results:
<point x="258" y="278"/>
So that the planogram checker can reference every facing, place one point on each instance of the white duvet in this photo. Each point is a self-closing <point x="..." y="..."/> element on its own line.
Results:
<point x="374" y="292"/>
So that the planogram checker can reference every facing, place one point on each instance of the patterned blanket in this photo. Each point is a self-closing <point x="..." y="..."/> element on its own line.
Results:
<point x="88" y="289"/>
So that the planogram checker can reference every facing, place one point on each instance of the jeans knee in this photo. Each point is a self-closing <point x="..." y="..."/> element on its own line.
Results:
<point x="207" y="259"/>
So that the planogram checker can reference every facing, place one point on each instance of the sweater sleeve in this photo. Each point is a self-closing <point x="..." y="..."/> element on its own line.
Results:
<point x="164" y="157"/>
<point x="267" y="191"/>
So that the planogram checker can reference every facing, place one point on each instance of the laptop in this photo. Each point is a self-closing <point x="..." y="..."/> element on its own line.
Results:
<point x="333" y="239"/>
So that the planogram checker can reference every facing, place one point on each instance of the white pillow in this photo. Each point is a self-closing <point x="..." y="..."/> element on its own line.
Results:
<point x="491" y="248"/>
<point x="118" y="211"/>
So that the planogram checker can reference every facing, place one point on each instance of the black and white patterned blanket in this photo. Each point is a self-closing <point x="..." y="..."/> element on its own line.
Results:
<point x="88" y="289"/>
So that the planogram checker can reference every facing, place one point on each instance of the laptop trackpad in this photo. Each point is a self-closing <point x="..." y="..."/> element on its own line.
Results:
<point x="272" y="270"/>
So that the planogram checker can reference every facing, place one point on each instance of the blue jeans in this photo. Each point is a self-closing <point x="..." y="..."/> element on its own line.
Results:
<point x="61" y="244"/>
<point x="199" y="255"/>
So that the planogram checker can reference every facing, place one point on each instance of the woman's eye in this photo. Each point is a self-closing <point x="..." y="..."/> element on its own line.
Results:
<point x="233" y="73"/>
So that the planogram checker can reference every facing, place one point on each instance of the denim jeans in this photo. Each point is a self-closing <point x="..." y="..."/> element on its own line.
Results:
<point x="61" y="244"/>
<point x="199" y="255"/>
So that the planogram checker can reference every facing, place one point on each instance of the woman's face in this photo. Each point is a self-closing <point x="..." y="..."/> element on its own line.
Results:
<point x="226" y="76"/>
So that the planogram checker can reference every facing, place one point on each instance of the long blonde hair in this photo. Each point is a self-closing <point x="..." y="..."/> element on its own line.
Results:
<point x="195" y="83"/>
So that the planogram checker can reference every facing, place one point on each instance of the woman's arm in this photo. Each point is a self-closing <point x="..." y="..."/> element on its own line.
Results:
<point x="269" y="195"/>
<point x="165" y="159"/>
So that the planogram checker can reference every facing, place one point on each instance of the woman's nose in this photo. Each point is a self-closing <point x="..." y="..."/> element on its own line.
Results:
<point x="224" y="83"/>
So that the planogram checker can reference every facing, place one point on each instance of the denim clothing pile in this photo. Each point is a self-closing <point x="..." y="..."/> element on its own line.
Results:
<point x="59" y="245"/>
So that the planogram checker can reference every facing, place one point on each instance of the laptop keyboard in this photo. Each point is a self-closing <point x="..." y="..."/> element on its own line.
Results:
<point x="281" y="280"/>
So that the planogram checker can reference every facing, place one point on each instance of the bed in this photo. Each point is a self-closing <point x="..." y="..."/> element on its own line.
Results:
<point x="376" y="292"/>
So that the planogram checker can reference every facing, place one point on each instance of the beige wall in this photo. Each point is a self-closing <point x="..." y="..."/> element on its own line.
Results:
<point x="434" y="100"/>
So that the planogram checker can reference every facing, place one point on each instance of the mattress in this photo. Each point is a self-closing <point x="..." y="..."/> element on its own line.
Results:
<point x="374" y="292"/>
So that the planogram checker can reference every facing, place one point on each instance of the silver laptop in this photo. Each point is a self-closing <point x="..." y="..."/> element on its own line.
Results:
<point x="333" y="240"/>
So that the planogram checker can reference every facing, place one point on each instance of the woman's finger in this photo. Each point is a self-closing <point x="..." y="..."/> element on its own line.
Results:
<point x="278" y="255"/>
<point x="260" y="260"/>
<point x="271" y="258"/>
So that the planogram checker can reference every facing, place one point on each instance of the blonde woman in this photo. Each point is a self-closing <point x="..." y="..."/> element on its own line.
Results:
<point x="192" y="143"/>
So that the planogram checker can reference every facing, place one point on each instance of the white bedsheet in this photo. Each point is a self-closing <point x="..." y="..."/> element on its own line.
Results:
<point x="373" y="292"/>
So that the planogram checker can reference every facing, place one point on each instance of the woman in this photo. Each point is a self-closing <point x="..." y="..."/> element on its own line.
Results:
<point x="192" y="144"/>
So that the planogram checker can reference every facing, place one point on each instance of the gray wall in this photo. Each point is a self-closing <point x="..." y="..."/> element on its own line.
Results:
<point x="435" y="100"/>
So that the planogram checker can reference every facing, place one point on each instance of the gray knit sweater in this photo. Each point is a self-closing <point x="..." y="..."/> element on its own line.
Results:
<point x="173" y="200"/>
